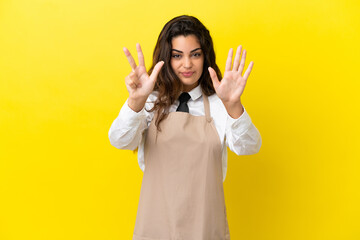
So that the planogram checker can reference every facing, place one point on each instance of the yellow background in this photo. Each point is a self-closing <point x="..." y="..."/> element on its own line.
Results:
<point x="62" y="73"/>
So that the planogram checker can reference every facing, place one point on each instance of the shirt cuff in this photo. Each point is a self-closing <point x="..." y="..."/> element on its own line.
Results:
<point x="241" y="124"/>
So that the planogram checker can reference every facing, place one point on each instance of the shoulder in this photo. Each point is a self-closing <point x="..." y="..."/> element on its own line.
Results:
<point x="214" y="100"/>
<point x="149" y="105"/>
<point x="216" y="105"/>
<point x="151" y="99"/>
<point x="153" y="96"/>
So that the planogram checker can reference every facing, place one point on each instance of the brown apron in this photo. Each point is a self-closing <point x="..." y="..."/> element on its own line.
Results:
<point x="182" y="196"/>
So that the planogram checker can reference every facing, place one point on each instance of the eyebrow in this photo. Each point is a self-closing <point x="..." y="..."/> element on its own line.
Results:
<point x="183" y="52"/>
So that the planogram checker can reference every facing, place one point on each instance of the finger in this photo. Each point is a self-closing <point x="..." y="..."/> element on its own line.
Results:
<point x="242" y="63"/>
<point x="228" y="60"/>
<point x="140" y="55"/>
<point x="156" y="71"/>
<point x="130" y="58"/>
<point x="214" y="77"/>
<point x="248" y="71"/>
<point x="134" y="78"/>
<point x="130" y="83"/>
<point x="237" y="58"/>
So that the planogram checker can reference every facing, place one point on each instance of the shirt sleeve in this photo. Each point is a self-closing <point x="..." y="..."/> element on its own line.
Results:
<point x="242" y="137"/>
<point x="127" y="129"/>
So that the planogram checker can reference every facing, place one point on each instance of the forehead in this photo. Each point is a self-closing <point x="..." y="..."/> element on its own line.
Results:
<point x="185" y="44"/>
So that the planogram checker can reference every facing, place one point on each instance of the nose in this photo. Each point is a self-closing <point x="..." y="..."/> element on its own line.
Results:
<point x="187" y="62"/>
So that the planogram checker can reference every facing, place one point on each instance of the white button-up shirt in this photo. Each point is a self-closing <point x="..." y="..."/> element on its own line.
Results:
<point x="240" y="135"/>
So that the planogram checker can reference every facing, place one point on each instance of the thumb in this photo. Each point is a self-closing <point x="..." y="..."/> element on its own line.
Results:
<point x="214" y="77"/>
<point x="156" y="71"/>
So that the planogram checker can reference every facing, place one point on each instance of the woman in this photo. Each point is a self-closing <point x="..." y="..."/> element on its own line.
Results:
<point x="181" y="117"/>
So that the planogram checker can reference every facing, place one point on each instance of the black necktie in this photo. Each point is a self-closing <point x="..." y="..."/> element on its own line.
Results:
<point x="183" y="107"/>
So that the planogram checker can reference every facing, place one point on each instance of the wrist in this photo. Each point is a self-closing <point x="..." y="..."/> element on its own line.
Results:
<point x="136" y="104"/>
<point x="234" y="109"/>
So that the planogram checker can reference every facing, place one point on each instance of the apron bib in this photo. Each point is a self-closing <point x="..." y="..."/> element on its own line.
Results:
<point x="182" y="196"/>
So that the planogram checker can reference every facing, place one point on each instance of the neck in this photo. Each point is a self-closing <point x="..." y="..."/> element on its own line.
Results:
<point x="188" y="88"/>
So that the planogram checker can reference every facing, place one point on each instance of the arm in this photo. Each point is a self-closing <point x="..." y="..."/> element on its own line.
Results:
<point x="127" y="129"/>
<point x="242" y="137"/>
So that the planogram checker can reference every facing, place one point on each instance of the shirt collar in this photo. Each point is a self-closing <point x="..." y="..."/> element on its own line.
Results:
<point x="195" y="93"/>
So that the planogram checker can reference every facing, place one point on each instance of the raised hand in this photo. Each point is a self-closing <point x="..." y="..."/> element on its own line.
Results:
<point x="138" y="83"/>
<point x="231" y="87"/>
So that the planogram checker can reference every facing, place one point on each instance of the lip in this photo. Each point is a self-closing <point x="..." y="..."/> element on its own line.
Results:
<point x="187" y="74"/>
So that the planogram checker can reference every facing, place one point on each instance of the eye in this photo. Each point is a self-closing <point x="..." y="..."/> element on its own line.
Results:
<point x="176" y="56"/>
<point x="197" y="54"/>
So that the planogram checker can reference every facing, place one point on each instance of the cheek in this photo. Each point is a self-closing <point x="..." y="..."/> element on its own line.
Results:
<point x="201" y="61"/>
<point x="200" y="64"/>
<point x="173" y="65"/>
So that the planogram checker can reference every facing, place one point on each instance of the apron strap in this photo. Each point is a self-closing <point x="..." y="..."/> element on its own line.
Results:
<point x="206" y="107"/>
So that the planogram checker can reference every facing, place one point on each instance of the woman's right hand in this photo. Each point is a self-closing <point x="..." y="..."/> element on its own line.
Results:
<point x="138" y="83"/>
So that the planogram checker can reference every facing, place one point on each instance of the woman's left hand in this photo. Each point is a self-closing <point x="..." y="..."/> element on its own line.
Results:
<point x="231" y="87"/>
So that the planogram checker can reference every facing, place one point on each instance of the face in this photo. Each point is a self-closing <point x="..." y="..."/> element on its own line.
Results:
<point x="187" y="60"/>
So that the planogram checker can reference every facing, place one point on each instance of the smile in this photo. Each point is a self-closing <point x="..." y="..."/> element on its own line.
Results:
<point x="187" y="74"/>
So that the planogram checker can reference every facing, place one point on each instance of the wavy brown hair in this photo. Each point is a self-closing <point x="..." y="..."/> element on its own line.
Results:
<point x="168" y="84"/>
